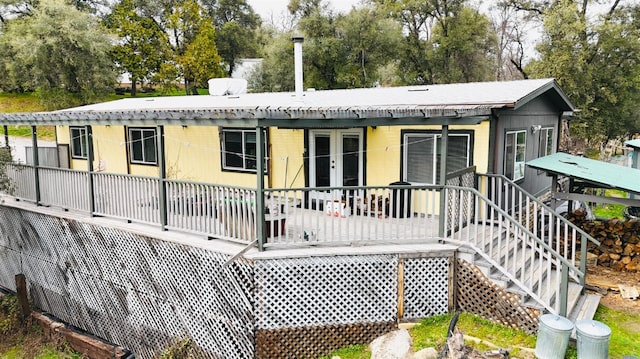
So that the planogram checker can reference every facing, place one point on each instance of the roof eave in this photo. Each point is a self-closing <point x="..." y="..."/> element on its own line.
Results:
<point x="563" y="100"/>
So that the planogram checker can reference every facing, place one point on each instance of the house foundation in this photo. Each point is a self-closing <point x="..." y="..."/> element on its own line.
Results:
<point x="143" y="292"/>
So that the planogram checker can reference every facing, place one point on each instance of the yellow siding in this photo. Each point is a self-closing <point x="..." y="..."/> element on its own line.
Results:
<point x="383" y="155"/>
<point x="193" y="153"/>
<point x="287" y="154"/>
<point x="110" y="149"/>
<point x="482" y="138"/>
<point x="384" y="147"/>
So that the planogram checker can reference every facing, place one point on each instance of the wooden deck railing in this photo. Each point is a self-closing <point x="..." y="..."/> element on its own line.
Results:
<point x="548" y="225"/>
<point x="507" y="226"/>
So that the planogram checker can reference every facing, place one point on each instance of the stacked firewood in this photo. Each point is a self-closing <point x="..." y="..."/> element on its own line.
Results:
<point x="620" y="241"/>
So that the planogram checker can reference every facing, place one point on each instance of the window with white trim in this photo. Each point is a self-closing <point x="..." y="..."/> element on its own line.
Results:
<point x="239" y="150"/>
<point x="78" y="142"/>
<point x="422" y="156"/>
<point x="514" y="154"/>
<point x="546" y="142"/>
<point x="143" y="146"/>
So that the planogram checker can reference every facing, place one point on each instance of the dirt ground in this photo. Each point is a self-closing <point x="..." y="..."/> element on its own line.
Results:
<point x="607" y="279"/>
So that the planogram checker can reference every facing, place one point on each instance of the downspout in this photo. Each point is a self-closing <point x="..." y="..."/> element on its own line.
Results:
<point x="443" y="179"/>
<point x="493" y="149"/>
<point x="259" y="203"/>
<point x="162" y="183"/>
<point x="36" y="176"/>
<point x="88" y="138"/>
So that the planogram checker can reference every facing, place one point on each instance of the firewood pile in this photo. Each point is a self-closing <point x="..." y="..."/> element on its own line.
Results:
<point x="620" y="241"/>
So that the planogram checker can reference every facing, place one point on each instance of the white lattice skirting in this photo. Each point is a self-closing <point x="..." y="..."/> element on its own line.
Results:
<point x="143" y="293"/>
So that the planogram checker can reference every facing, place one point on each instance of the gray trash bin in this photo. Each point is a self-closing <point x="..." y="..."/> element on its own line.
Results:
<point x="400" y="200"/>
<point x="553" y="336"/>
<point x="593" y="339"/>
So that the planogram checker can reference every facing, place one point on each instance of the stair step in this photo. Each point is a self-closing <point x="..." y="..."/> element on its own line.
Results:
<point x="585" y="307"/>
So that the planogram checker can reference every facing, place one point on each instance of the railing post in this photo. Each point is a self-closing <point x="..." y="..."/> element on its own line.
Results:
<point x="6" y="136"/>
<point x="260" y="230"/>
<point x="564" y="289"/>
<point x="443" y="180"/>
<point x="162" y="184"/>
<point x="34" y="154"/>
<point x="583" y="260"/>
<point x="89" y="143"/>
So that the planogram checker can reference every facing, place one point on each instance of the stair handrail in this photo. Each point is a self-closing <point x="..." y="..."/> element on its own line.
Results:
<point x="566" y="265"/>
<point x="522" y="191"/>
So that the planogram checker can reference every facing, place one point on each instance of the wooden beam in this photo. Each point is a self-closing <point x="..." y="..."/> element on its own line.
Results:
<point x="23" y="296"/>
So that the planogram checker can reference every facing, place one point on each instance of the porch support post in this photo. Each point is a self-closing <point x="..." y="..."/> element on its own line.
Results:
<point x="554" y="205"/>
<point x="444" y="141"/>
<point x="88" y="140"/>
<point x="260" y="230"/>
<point x="635" y="162"/>
<point x="34" y="154"/>
<point x="6" y="136"/>
<point x="162" y="173"/>
<point x="564" y="289"/>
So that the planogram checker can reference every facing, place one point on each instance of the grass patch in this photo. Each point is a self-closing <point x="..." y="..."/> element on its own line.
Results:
<point x="358" y="351"/>
<point x="625" y="331"/>
<point x="432" y="332"/>
<point x="26" y="340"/>
<point x="608" y="210"/>
<point x="21" y="102"/>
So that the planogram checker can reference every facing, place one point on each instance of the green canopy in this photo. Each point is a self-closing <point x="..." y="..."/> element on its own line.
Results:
<point x="596" y="172"/>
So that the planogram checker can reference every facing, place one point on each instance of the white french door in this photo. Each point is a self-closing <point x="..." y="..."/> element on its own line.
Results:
<point x="335" y="160"/>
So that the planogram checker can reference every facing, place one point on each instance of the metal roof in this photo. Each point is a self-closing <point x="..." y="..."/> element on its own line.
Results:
<point x="597" y="172"/>
<point x="443" y="104"/>
<point x="633" y="143"/>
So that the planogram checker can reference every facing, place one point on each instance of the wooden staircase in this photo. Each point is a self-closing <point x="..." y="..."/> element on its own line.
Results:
<point x="580" y="305"/>
<point x="522" y="246"/>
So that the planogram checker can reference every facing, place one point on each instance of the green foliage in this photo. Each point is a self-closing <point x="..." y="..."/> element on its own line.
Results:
<point x="201" y="61"/>
<point x="182" y="349"/>
<point x="59" y="51"/>
<point x="340" y="51"/>
<point x="596" y="60"/>
<point x="446" y="41"/>
<point x="6" y="183"/>
<point x="463" y="48"/>
<point x="236" y="24"/>
<point x="194" y="55"/>
<point x="142" y="47"/>
<point x="9" y="314"/>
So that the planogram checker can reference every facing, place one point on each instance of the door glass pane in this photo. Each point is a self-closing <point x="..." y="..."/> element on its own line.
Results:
<point x="350" y="160"/>
<point x="322" y="160"/>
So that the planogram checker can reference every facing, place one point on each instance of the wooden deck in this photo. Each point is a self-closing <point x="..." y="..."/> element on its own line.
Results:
<point x="306" y="226"/>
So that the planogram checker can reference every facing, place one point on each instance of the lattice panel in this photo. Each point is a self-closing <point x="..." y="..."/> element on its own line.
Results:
<point x="479" y="295"/>
<point x="312" y="342"/>
<point x="9" y="267"/>
<point x="426" y="287"/>
<point x="138" y="292"/>
<point x="321" y="291"/>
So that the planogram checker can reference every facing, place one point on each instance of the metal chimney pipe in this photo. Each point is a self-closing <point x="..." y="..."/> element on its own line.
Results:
<point x="297" y="62"/>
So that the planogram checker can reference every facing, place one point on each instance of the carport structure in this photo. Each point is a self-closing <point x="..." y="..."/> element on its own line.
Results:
<point x="586" y="173"/>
